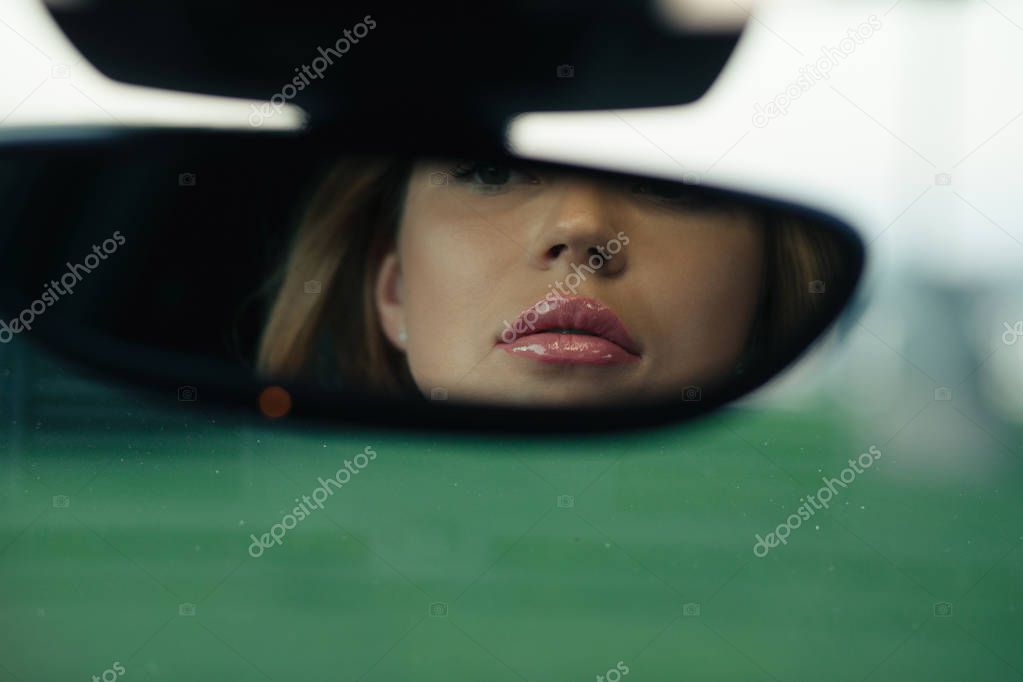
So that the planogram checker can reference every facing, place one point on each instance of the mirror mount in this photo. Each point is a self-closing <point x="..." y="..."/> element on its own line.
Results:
<point x="353" y="65"/>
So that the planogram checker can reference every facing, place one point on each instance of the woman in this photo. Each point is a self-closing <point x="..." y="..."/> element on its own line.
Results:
<point x="525" y="285"/>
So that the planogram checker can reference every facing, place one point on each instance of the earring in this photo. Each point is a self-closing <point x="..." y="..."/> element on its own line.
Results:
<point x="402" y="336"/>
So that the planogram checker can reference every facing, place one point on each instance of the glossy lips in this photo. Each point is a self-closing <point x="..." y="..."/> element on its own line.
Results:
<point x="570" y="330"/>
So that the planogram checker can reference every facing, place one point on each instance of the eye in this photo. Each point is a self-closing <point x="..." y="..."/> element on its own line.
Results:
<point x="491" y="177"/>
<point x="674" y="194"/>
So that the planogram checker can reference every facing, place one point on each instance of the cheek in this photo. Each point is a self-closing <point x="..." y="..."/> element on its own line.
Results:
<point x="447" y="264"/>
<point x="450" y="266"/>
<point x="708" y="292"/>
<point x="730" y="277"/>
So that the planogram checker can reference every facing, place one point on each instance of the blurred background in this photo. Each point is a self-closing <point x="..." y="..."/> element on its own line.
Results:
<point x="556" y="560"/>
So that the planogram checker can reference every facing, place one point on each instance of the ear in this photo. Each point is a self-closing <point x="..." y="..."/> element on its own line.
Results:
<point x="390" y="299"/>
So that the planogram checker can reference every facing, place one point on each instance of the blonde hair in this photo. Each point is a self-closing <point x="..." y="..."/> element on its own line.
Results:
<point x="350" y="226"/>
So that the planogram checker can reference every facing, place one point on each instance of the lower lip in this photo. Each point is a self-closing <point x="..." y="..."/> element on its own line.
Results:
<point x="574" y="349"/>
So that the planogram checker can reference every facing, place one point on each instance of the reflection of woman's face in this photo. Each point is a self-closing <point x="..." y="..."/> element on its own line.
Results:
<point x="520" y="286"/>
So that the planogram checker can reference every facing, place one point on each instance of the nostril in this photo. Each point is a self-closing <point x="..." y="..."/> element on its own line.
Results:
<point x="555" y="251"/>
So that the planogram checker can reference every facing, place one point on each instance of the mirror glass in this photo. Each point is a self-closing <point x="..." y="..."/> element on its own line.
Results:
<point x="475" y="280"/>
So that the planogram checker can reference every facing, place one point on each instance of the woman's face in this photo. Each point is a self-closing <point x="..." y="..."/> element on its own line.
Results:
<point x="519" y="286"/>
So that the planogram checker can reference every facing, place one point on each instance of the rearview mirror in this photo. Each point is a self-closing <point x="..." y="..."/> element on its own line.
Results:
<point x="276" y="273"/>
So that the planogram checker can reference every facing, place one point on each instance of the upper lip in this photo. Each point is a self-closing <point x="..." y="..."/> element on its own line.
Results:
<point x="582" y="313"/>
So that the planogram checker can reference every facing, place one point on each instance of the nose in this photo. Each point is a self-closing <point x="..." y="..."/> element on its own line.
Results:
<point x="579" y="229"/>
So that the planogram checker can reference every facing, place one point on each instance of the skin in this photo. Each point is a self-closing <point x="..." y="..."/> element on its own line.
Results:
<point x="475" y="252"/>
